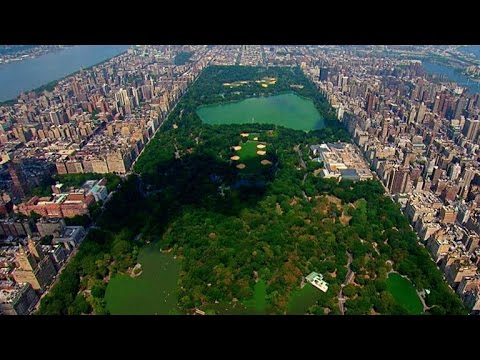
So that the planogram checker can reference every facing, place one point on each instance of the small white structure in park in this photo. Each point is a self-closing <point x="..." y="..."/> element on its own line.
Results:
<point x="316" y="280"/>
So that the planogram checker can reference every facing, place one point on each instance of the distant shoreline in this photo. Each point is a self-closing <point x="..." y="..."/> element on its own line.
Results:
<point x="53" y="83"/>
<point x="33" y="56"/>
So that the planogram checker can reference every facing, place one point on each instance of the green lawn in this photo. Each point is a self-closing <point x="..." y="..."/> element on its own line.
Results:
<point x="404" y="293"/>
<point x="260" y="296"/>
<point x="248" y="156"/>
<point x="258" y="304"/>
<point x="153" y="292"/>
<point x="289" y="110"/>
<point x="301" y="299"/>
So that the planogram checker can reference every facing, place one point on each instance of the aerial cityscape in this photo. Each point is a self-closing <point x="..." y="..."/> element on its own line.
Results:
<point x="239" y="180"/>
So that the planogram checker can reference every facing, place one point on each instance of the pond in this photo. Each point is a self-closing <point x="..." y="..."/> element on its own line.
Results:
<point x="404" y="293"/>
<point x="153" y="292"/>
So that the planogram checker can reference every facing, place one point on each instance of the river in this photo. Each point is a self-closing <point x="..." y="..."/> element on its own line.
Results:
<point x="17" y="77"/>
<point x="451" y="75"/>
<point x="471" y="49"/>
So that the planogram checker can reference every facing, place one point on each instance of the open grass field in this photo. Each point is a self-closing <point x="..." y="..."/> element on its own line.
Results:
<point x="248" y="155"/>
<point x="301" y="299"/>
<point x="258" y="304"/>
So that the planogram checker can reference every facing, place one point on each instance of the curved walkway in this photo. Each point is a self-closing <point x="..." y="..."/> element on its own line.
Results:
<point x="348" y="280"/>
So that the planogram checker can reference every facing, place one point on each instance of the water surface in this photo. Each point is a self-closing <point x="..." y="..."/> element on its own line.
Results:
<point x="289" y="110"/>
<point x="21" y="76"/>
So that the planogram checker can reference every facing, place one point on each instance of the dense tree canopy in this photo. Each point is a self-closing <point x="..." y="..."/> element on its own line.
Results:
<point x="228" y="233"/>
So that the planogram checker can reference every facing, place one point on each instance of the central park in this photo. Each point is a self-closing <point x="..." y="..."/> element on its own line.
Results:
<point x="192" y="231"/>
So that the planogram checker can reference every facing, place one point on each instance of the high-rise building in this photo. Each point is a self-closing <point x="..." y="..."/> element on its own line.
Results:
<point x="118" y="163"/>
<point x="323" y="74"/>
<point x="344" y="83"/>
<point x="61" y="168"/>
<point x="412" y="116"/>
<point x="136" y="97"/>
<point x="449" y="193"/>
<point x="468" y="175"/>
<point x="76" y="88"/>
<point x="19" y="183"/>
<point x="470" y="129"/>
<point x="122" y="97"/>
<point x="421" y="113"/>
<point x="458" y="270"/>
<point x="438" y="247"/>
<point x="436" y="104"/>
<point x="454" y="171"/>
<point x="448" y="215"/>
<point x="18" y="300"/>
<point x="74" y="167"/>
<point x="370" y="104"/>
<point x="33" y="266"/>
<point x="437" y="174"/>
<point x="398" y="180"/>
<point x="472" y="243"/>
<point x="441" y="104"/>
<point x="460" y="106"/>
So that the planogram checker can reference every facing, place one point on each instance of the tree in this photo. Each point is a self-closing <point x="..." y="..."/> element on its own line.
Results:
<point x="98" y="291"/>
<point x="78" y="220"/>
<point x="349" y="290"/>
<point x="34" y="216"/>
<point x="79" y="306"/>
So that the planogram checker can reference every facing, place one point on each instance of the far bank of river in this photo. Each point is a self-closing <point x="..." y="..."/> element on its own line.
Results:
<point x="18" y="77"/>
<point x="451" y="74"/>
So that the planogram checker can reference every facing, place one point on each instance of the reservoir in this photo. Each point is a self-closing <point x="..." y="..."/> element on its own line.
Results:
<point x="17" y="77"/>
<point x="289" y="110"/>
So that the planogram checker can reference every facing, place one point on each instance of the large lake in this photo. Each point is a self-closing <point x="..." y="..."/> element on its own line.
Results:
<point x="29" y="74"/>
<point x="288" y="110"/>
<point x="451" y="75"/>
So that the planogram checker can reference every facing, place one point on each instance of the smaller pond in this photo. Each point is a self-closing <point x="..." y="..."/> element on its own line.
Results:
<point x="404" y="293"/>
<point x="153" y="292"/>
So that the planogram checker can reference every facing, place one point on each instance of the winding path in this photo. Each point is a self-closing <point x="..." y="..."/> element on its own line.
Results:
<point x="421" y="295"/>
<point x="299" y="152"/>
<point x="303" y="165"/>
<point x="348" y="279"/>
